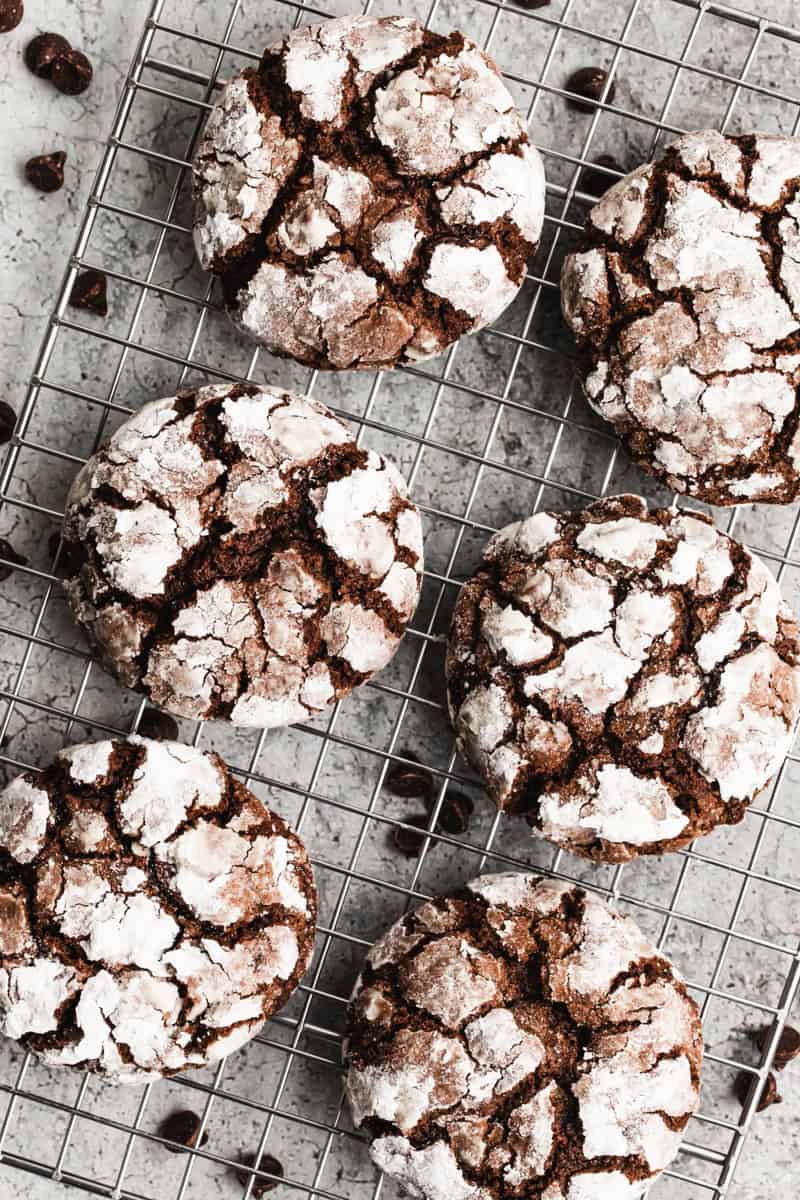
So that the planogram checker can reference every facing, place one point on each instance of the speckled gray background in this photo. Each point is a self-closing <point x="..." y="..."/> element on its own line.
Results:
<point x="528" y="436"/>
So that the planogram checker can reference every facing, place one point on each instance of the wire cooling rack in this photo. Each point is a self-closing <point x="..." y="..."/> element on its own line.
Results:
<point x="489" y="433"/>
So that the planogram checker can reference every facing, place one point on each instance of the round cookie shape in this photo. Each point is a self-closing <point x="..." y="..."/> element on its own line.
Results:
<point x="684" y="299"/>
<point x="368" y="194"/>
<point x="629" y="679"/>
<point x="155" y="913"/>
<point x="519" y="1038"/>
<point x="232" y="552"/>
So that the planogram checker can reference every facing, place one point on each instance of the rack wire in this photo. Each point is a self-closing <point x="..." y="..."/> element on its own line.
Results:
<point x="493" y="431"/>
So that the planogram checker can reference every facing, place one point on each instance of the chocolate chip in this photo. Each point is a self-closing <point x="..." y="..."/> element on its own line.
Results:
<point x="409" y="841"/>
<point x="71" y="73"/>
<point x="455" y="813"/>
<point x="41" y="53"/>
<point x="8" y="422"/>
<point x="588" y="83"/>
<point x="11" y="13"/>
<point x="46" y="171"/>
<point x="597" y="183"/>
<point x="769" y="1094"/>
<point x="183" y="1127"/>
<point x="409" y="781"/>
<point x="260" y="1186"/>
<point x="90" y="291"/>
<point x="158" y="725"/>
<point x="531" y="3"/>
<point x="788" y="1046"/>
<point x="8" y="551"/>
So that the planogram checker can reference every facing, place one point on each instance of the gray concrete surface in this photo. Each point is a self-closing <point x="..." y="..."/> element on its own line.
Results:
<point x="36" y="235"/>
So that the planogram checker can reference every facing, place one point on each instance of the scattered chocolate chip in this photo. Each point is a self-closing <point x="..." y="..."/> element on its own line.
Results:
<point x="46" y="171"/>
<point x="531" y="3"/>
<point x="158" y="725"/>
<point x="769" y="1094"/>
<point x="408" y="841"/>
<point x="183" y="1127"/>
<point x="409" y="781"/>
<point x="260" y="1186"/>
<point x="90" y="291"/>
<point x="597" y="183"/>
<point x="788" y="1046"/>
<point x="71" y="73"/>
<point x="589" y="83"/>
<point x="11" y="13"/>
<point x="455" y="813"/>
<point x="41" y="53"/>
<point x="8" y="551"/>
<point x="8" y="422"/>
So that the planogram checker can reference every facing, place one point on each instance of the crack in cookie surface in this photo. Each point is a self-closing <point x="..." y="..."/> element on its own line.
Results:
<point x="155" y="913"/>
<point x="519" y="1038"/>
<point x="628" y="678"/>
<point x="232" y="552"/>
<point x="368" y="194"/>
<point x="684" y="299"/>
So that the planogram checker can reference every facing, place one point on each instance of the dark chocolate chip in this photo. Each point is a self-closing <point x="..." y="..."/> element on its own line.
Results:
<point x="8" y="422"/>
<point x="46" y="171"/>
<point x="455" y="813"/>
<point x="409" y="781"/>
<point x="531" y="3"/>
<point x="260" y="1186"/>
<point x="409" y="841"/>
<point x="71" y="73"/>
<point x="769" y="1094"/>
<point x="42" y="52"/>
<point x="788" y="1046"/>
<point x="588" y="83"/>
<point x="7" y="551"/>
<point x="11" y="13"/>
<point x="597" y="183"/>
<point x="158" y="725"/>
<point x="182" y="1126"/>
<point x="90" y="291"/>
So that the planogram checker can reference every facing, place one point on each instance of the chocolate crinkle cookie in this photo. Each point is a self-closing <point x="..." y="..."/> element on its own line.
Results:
<point x="628" y="679"/>
<point x="367" y="194"/>
<point x="521" y="1039"/>
<point x="232" y="552"/>
<point x="154" y="912"/>
<point x="684" y="298"/>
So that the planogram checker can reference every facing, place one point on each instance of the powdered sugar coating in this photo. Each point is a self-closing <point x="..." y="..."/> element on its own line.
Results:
<point x="249" y="514"/>
<point x="376" y="140"/>
<point x="701" y="388"/>
<point x="629" y="679"/>
<point x="151" y="991"/>
<point x="585" y="1020"/>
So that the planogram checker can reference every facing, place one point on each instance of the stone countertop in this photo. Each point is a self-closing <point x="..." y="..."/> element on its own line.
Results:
<point x="36" y="235"/>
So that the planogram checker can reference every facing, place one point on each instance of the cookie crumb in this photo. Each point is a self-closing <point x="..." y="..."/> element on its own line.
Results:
<point x="90" y="292"/>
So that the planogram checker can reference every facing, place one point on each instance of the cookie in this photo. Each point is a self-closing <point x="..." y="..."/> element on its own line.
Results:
<point x="684" y="298"/>
<point x="232" y="552"/>
<point x="520" y="1039"/>
<point x="367" y="194"/>
<point x="628" y="679"/>
<point x="154" y="912"/>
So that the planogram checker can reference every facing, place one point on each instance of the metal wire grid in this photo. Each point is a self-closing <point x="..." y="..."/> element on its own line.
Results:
<point x="298" y="1037"/>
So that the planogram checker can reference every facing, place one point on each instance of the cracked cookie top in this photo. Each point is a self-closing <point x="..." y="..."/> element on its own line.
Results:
<point x="154" y="912"/>
<point x="367" y="194"/>
<point x="519" y="1038"/>
<point x="232" y="552"/>
<point x="629" y="679"/>
<point x="684" y="298"/>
